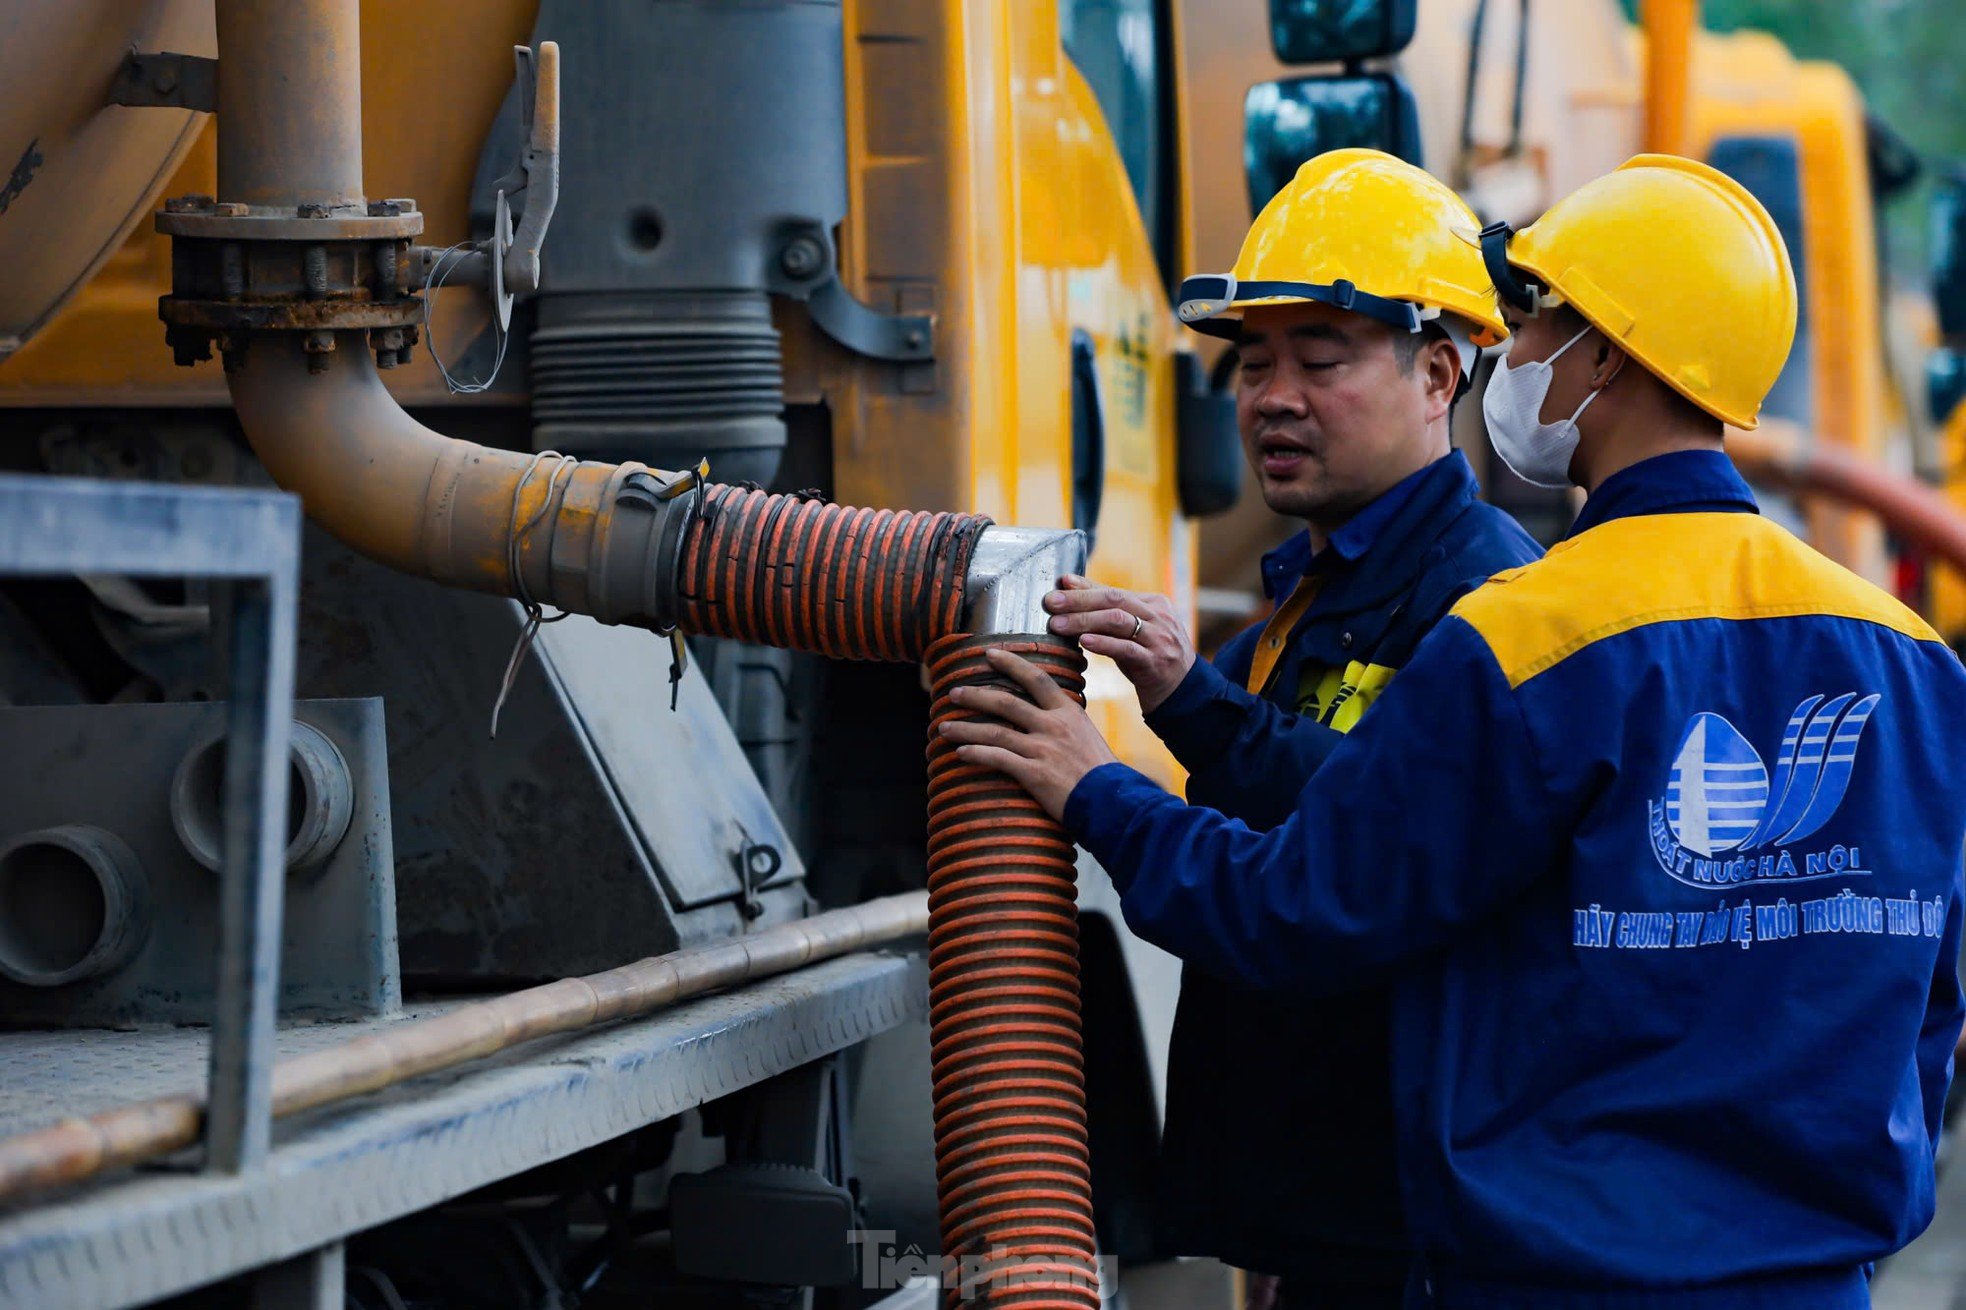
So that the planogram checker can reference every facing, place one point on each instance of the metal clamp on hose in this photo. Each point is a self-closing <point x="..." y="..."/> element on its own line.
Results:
<point x="674" y="502"/>
<point x="635" y="558"/>
<point x="686" y="486"/>
<point x="535" y="612"/>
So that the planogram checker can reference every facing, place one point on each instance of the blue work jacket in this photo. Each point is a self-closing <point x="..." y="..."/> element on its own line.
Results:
<point x="1661" y="838"/>
<point x="1277" y="1153"/>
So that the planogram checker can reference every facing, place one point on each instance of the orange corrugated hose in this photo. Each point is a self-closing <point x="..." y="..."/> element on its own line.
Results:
<point x="791" y="570"/>
<point x="1012" y="1169"/>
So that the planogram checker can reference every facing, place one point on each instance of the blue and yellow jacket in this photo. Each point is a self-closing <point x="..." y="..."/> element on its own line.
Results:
<point x="1660" y="838"/>
<point x="1277" y="1154"/>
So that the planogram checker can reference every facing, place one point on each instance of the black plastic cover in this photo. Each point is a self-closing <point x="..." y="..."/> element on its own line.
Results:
<point x="1332" y="31"/>
<point x="775" y="1224"/>
<point x="1949" y="252"/>
<point x="1207" y="446"/>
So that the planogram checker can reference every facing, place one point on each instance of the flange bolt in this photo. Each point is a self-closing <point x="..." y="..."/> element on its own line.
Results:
<point x="802" y="258"/>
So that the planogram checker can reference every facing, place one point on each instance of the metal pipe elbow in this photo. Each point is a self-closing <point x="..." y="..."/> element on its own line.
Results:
<point x="559" y="532"/>
<point x="1012" y="572"/>
<point x="614" y="541"/>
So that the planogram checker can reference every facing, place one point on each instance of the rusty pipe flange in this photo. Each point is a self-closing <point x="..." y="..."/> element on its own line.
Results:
<point x="240" y="270"/>
<point x="201" y="216"/>
<point x="219" y="316"/>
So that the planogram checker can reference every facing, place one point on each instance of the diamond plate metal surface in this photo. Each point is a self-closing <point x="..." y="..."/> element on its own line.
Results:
<point x="341" y="1169"/>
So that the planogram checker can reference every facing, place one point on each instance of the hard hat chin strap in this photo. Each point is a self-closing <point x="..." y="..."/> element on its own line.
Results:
<point x="1515" y="290"/>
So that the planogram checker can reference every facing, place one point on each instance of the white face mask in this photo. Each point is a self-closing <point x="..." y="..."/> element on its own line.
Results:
<point x="1537" y="452"/>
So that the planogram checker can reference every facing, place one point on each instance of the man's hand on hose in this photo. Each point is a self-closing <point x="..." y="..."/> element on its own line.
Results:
<point x="1142" y="634"/>
<point x="1046" y="747"/>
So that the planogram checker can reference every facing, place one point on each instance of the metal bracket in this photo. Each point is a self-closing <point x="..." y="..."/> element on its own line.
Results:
<point x="903" y="338"/>
<point x="537" y="172"/>
<point x="314" y="1281"/>
<point x="506" y="263"/>
<point x="166" y="80"/>
<point x="61" y="526"/>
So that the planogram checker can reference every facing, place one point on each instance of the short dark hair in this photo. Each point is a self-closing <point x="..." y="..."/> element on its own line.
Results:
<point x="1406" y="345"/>
<point x="1569" y="320"/>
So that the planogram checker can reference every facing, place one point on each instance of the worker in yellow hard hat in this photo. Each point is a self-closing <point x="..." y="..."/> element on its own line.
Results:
<point x="1658" y="838"/>
<point x="1610" y="269"/>
<point x="1356" y="314"/>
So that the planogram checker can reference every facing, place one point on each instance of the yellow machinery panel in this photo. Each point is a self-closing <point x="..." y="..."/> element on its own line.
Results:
<point x="426" y="104"/>
<point x="984" y="186"/>
<point x="971" y="120"/>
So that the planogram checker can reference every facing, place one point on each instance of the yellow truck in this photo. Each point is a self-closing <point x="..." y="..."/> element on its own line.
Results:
<point x="1945" y="396"/>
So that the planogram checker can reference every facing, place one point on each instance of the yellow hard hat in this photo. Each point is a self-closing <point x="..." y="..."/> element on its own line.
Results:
<point x="1676" y="262"/>
<point x="1361" y="230"/>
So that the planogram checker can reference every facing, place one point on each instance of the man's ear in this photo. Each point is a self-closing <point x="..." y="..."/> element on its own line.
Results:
<point x="1608" y="361"/>
<point x="1439" y="365"/>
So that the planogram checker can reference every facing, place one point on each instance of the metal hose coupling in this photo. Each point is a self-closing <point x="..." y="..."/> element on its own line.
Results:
<point x="1013" y="1174"/>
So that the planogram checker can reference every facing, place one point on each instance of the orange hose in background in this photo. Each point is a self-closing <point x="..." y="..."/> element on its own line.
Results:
<point x="1910" y="510"/>
<point x="857" y="584"/>
<point x="1012" y="1168"/>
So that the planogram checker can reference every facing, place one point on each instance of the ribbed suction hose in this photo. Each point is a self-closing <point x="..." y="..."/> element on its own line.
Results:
<point x="792" y="571"/>
<point x="1013" y="1175"/>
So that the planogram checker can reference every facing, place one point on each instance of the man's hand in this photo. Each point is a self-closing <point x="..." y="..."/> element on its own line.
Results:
<point x="1141" y="633"/>
<point x="1046" y="747"/>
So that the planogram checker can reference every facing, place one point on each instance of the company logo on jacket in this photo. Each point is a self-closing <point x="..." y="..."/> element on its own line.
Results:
<point x="1723" y="820"/>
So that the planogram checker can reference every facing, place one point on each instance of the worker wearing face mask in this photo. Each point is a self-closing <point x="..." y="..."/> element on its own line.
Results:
<point x="1658" y="838"/>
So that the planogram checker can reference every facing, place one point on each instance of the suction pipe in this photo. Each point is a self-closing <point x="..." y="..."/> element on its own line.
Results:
<point x="386" y="485"/>
<point x="416" y="500"/>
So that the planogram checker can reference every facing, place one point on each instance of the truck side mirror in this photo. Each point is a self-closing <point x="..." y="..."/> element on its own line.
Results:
<point x="1207" y="448"/>
<point x="1290" y="121"/>
<point x="1945" y="384"/>
<point x="1945" y="371"/>
<point x="1949" y="252"/>
<point x="1340" y="31"/>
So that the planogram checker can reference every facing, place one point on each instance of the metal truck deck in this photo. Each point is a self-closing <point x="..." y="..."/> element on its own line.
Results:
<point x="143" y="1234"/>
